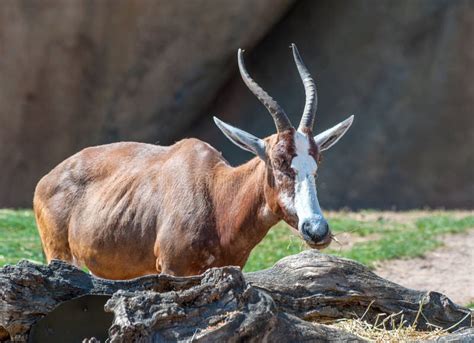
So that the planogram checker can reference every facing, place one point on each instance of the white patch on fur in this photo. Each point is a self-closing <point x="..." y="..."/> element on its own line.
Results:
<point x="265" y="211"/>
<point x="288" y="203"/>
<point x="306" y="201"/>
<point x="267" y="215"/>
<point x="210" y="259"/>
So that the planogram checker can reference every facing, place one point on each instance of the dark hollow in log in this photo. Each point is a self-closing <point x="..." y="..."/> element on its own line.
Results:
<point x="80" y="317"/>
<point x="290" y="301"/>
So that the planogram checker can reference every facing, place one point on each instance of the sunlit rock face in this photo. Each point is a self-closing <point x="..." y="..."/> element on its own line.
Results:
<point x="74" y="74"/>
<point x="402" y="68"/>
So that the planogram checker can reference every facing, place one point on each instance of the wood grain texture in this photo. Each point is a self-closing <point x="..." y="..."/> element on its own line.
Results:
<point x="290" y="301"/>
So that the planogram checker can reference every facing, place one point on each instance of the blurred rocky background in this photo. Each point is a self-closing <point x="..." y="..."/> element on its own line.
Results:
<point x="81" y="73"/>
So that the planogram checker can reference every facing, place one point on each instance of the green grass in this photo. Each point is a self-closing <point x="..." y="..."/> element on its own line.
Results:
<point x="18" y="237"/>
<point x="408" y="240"/>
<point x="278" y="243"/>
<point x="395" y="240"/>
<point x="390" y="238"/>
<point x="340" y="223"/>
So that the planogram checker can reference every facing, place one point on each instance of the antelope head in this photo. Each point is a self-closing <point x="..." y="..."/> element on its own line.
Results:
<point x="291" y="156"/>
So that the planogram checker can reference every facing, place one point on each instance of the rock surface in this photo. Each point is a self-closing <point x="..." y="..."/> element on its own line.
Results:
<point x="80" y="73"/>
<point x="289" y="301"/>
<point x="402" y="68"/>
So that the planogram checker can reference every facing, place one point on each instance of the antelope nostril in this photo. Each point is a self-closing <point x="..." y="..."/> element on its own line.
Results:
<point x="315" y="230"/>
<point x="306" y="227"/>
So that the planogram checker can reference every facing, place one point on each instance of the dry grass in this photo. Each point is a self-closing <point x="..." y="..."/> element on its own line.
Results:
<point x="377" y="334"/>
<point x="399" y="332"/>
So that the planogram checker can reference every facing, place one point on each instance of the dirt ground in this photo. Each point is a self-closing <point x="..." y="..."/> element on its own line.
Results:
<point x="448" y="270"/>
<point x="399" y="217"/>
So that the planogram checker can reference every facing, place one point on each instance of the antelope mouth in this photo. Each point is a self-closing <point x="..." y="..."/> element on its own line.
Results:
<point x="324" y="243"/>
<point x="315" y="232"/>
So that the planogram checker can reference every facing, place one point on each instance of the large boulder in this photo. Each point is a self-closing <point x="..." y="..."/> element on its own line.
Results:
<point x="79" y="73"/>
<point x="403" y="68"/>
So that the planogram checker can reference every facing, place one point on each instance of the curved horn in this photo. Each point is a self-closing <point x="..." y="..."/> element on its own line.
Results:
<point x="279" y="116"/>
<point x="307" y="120"/>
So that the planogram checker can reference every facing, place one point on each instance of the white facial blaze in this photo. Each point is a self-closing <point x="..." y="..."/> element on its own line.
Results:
<point x="287" y="202"/>
<point x="306" y="201"/>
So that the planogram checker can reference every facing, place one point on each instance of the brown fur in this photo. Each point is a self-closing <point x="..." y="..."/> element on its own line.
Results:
<point x="129" y="209"/>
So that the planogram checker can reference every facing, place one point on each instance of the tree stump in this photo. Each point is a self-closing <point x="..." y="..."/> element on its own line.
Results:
<point x="291" y="301"/>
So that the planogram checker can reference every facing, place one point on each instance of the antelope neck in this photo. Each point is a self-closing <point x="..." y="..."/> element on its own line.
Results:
<point x="243" y="215"/>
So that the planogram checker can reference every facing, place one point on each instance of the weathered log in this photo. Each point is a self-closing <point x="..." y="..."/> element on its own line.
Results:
<point x="465" y="335"/>
<point x="316" y="286"/>
<point x="217" y="304"/>
<point x="224" y="307"/>
<point x="29" y="291"/>
<point x="282" y="302"/>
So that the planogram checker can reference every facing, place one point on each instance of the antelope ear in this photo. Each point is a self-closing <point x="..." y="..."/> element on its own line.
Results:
<point x="242" y="139"/>
<point x="328" y="138"/>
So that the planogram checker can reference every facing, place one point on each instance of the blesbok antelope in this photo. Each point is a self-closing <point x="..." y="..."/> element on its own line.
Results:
<point x="128" y="209"/>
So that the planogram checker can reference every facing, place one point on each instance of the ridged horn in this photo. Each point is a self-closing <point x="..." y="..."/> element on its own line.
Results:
<point x="307" y="120"/>
<point x="280" y="118"/>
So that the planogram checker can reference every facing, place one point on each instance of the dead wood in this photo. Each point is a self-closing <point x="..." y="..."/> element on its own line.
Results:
<point x="223" y="307"/>
<point x="290" y="301"/>
<point x="320" y="287"/>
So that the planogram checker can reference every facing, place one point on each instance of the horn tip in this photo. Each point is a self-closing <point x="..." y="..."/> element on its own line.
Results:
<point x="348" y="121"/>
<point x="240" y="54"/>
<point x="218" y="122"/>
<point x="296" y="53"/>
